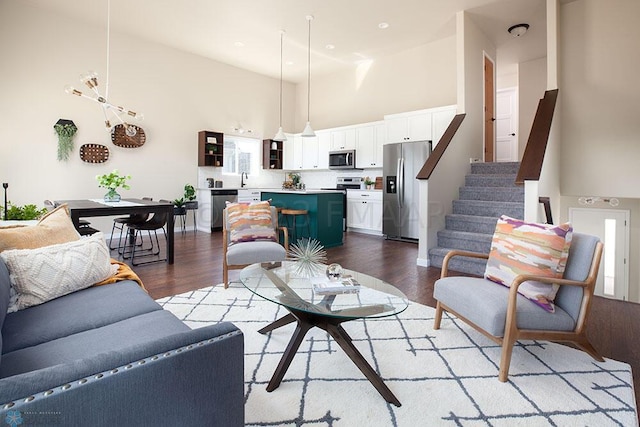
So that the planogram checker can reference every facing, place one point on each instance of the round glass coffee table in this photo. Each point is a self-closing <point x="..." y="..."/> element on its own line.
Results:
<point x="315" y="301"/>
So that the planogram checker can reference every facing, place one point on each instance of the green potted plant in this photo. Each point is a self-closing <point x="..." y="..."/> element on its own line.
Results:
<point x="26" y="212"/>
<point x="368" y="183"/>
<point x="189" y="197"/>
<point x="112" y="181"/>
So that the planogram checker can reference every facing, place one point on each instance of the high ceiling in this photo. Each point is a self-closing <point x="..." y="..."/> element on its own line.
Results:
<point x="246" y="33"/>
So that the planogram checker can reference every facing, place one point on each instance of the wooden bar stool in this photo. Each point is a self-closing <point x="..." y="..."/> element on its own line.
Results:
<point x="290" y="216"/>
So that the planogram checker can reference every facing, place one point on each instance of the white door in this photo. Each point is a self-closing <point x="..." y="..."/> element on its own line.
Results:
<point x="611" y="226"/>
<point x="506" y="125"/>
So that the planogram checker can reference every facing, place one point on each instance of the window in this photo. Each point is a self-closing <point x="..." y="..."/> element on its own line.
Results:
<point x="241" y="155"/>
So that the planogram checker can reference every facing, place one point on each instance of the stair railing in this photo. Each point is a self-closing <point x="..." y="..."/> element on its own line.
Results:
<point x="546" y="203"/>
<point x="531" y="164"/>
<point x="441" y="147"/>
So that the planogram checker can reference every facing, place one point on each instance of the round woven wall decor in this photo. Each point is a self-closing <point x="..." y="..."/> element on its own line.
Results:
<point x="94" y="153"/>
<point x="121" y="138"/>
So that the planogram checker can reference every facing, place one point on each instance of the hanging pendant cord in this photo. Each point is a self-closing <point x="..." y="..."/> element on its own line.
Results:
<point x="106" y="87"/>
<point x="309" y="71"/>
<point x="281" y="36"/>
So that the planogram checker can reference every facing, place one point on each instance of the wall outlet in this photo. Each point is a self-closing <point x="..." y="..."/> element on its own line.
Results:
<point x="472" y="160"/>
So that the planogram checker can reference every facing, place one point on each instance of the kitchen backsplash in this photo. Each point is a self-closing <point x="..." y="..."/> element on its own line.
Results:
<point x="274" y="179"/>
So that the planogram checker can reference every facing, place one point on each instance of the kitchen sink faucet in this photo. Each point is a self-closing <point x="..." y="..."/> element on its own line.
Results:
<point x="242" y="177"/>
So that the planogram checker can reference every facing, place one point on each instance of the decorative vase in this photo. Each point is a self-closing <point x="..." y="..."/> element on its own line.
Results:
<point x="112" y="196"/>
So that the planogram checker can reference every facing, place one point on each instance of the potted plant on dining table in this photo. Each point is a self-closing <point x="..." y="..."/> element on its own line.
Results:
<point x="112" y="181"/>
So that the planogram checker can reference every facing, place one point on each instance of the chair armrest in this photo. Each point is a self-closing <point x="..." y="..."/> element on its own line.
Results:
<point x="457" y="252"/>
<point x="285" y="234"/>
<point x="153" y="384"/>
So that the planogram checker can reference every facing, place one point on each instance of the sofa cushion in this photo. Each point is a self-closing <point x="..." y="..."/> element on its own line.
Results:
<point x="5" y="284"/>
<point x="114" y="337"/>
<point x="77" y="312"/>
<point x="39" y="275"/>
<point x="485" y="303"/>
<point x="53" y="228"/>
<point x="520" y="247"/>
<point x="250" y="222"/>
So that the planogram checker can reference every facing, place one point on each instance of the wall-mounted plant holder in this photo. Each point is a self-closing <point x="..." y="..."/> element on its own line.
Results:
<point x="66" y="130"/>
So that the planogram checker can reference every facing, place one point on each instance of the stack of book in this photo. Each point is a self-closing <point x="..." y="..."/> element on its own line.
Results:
<point x="324" y="286"/>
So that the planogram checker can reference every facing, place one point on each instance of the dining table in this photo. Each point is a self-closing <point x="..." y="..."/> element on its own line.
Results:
<point x="84" y="208"/>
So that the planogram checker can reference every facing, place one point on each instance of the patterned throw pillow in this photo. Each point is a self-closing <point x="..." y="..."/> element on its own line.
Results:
<point x="250" y="222"/>
<point x="40" y="275"/>
<point x="519" y="247"/>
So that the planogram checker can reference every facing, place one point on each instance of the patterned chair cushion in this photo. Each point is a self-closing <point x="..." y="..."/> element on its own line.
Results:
<point x="250" y="222"/>
<point x="519" y="247"/>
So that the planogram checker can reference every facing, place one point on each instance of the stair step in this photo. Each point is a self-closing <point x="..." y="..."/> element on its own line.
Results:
<point x="485" y="208"/>
<point x="495" y="168"/>
<point x="501" y="194"/>
<point x="471" y="223"/>
<point x="475" y="266"/>
<point x="490" y="180"/>
<point x="475" y="242"/>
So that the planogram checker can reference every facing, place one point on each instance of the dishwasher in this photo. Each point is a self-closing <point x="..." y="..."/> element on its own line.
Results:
<point x="219" y="199"/>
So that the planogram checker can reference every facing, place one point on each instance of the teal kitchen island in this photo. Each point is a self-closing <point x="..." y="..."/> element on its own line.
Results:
<point x="325" y="209"/>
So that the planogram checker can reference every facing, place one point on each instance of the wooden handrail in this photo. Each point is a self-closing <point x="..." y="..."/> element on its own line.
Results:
<point x="531" y="163"/>
<point x="546" y="202"/>
<point x="442" y="145"/>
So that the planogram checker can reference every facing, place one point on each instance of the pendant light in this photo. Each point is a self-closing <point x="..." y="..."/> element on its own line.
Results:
<point x="308" y="131"/>
<point x="280" y="135"/>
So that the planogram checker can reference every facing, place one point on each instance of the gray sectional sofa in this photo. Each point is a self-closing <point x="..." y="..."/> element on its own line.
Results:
<point x="110" y="355"/>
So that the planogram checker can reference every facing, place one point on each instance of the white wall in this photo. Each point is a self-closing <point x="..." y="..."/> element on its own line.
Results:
<point x="179" y="93"/>
<point x="600" y="105"/>
<point x="532" y="84"/>
<point x="442" y="187"/>
<point x="414" y="79"/>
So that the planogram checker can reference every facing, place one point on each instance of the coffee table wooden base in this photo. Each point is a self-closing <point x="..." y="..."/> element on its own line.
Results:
<point x="306" y="321"/>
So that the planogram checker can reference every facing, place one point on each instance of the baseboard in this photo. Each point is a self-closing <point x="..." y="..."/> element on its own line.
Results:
<point x="423" y="262"/>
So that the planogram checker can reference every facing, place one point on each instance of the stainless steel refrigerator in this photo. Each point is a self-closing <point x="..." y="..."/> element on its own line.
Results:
<point x="401" y="209"/>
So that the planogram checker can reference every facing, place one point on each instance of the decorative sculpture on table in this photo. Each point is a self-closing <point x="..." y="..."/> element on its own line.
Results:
<point x="309" y="256"/>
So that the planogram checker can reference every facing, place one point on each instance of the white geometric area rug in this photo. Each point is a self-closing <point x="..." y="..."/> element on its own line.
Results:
<point x="447" y="377"/>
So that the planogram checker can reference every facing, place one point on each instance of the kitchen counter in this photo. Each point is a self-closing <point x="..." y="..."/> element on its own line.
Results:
<point x="325" y="209"/>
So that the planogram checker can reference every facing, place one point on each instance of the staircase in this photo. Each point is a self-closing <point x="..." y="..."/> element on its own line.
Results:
<point x="489" y="192"/>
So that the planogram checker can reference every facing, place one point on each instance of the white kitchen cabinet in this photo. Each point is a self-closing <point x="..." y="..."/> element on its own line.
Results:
<point x="292" y="152"/>
<point x="310" y="152"/>
<point x="203" y="196"/>
<point x="407" y="127"/>
<point x="248" y="195"/>
<point x="343" y="139"/>
<point x="370" y="138"/>
<point x="324" y="144"/>
<point x="440" y="121"/>
<point x="364" y="211"/>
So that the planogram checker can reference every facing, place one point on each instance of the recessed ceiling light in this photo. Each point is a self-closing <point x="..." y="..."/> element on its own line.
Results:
<point x="238" y="44"/>
<point x="330" y="47"/>
<point x="383" y="25"/>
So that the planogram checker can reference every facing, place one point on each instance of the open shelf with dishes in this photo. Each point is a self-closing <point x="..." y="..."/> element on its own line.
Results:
<point x="272" y="154"/>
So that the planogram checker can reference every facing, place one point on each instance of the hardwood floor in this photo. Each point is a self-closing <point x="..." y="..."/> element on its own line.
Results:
<point x="613" y="325"/>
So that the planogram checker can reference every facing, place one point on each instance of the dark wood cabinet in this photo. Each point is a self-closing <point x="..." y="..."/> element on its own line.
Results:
<point x="210" y="148"/>
<point x="271" y="157"/>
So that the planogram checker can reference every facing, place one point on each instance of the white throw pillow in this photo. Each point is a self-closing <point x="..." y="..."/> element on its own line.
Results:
<point x="42" y="274"/>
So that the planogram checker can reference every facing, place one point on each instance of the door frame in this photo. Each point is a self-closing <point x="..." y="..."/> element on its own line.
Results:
<point x="488" y="117"/>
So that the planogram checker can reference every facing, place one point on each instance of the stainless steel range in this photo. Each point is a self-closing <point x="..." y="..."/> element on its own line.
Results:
<point x="344" y="183"/>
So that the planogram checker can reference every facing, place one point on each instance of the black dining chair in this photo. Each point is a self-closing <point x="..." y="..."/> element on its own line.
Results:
<point x="155" y="223"/>
<point x="123" y="222"/>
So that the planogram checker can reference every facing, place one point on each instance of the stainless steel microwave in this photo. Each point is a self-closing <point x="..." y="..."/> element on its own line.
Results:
<point x="345" y="159"/>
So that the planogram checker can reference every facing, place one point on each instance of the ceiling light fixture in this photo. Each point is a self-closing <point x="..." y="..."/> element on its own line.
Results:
<point x="239" y="129"/>
<point x="280" y="135"/>
<point x="383" y="25"/>
<point x="330" y="47"/>
<point x="518" y="29"/>
<point x="90" y="78"/>
<point x="308" y="131"/>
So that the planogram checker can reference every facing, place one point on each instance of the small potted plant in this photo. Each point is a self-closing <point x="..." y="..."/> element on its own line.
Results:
<point x="112" y="181"/>
<point x="368" y="183"/>
<point x="190" y="197"/>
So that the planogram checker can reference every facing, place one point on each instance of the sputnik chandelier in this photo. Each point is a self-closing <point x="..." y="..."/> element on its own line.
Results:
<point x="90" y="79"/>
